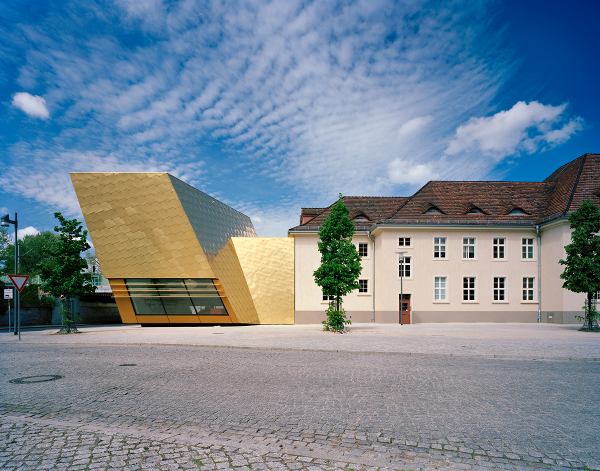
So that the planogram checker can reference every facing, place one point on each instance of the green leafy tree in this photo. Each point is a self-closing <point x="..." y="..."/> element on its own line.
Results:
<point x="35" y="250"/>
<point x="64" y="276"/>
<point x="5" y="252"/>
<point x="340" y="263"/>
<point x="582" y="266"/>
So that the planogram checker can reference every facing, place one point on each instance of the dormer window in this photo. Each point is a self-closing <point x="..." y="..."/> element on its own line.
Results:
<point x="517" y="212"/>
<point x="360" y="218"/>
<point x="433" y="211"/>
<point x="475" y="211"/>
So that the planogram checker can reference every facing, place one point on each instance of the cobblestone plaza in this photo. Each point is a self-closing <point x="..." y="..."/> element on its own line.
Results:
<point x="291" y="397"/>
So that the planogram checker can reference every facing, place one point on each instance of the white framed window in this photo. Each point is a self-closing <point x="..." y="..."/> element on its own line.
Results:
<point x="527" y="246"/>
<point x="327" y="299"/>
<point x="499" y="289"/>
<point x="439" y="289"/>
<point x="499" y="247"/>
<point x="468" y="248"/>
<point x="404" y="241"/>
<point x="469" y="288"/>
<point x="363" y="249"/>
<point x="528" y="289"/>
<point x="405" y="267"/>
<point x="439" y="247"/>
<point x="363" y="286"/>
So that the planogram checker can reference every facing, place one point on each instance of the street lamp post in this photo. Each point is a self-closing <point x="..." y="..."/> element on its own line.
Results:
<point x="6" y="222"/>
<point x="401" y="253"/>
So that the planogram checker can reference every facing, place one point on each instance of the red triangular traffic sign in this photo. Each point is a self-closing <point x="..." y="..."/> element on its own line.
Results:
<point x="19" y="281"/>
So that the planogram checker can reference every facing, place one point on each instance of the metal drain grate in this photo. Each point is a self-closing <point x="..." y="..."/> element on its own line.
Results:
<point x="129" y="364"/>
<point x="35" y="379"/>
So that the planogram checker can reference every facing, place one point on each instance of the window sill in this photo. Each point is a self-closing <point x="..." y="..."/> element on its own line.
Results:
<point x="441" y="302"/>
<point x="529" y="260"/>
<point x="469" y="259"/>
<point x="440" y="259"/>
<point x="499" y="302"/>
<point x="363" y="294"/>
<point x="499" y="259"/>
<point x="405" y="278"/>
<point x="469" y="302"/>
<point x="529" y="302"/>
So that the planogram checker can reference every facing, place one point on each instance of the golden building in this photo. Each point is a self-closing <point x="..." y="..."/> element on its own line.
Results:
<point x="174" y="255"/>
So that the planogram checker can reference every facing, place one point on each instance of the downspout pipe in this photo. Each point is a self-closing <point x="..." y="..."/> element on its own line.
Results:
<point x="539" y="257"/>
<point x="373" y="283"/>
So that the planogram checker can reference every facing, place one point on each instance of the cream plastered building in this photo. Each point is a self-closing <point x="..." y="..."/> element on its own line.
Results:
<point x="467" y="251"/>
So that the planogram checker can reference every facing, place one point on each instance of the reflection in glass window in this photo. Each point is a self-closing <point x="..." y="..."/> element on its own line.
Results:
<point x="499" y="284"/>
<point x="205" y="297"/>
<point x="175" y="297"/>
<point x="527" y="248"/>
<point x="439" y="292"/>
<point x="528" y="289"/>
<point x="468" y="247"/>
<point x="144" y="297"/>
<point x="499" y="245"/>
<point x="439" y="247"/>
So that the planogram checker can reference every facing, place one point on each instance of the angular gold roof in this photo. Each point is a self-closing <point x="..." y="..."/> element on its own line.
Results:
<point x="140" y="228"/>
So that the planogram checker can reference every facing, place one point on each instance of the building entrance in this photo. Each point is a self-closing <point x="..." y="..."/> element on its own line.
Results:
<point x="405" y="308"/>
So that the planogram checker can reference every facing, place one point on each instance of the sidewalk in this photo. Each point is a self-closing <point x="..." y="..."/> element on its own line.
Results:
<point x="523" y="341"/>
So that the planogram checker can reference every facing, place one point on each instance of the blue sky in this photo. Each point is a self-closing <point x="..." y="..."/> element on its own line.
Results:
<point x="272" y="106"/>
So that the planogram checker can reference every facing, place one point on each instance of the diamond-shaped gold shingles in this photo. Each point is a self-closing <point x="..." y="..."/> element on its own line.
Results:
<point x="229" y="272"/>
<point x="138" y="226"/>
<point x="213" y="222"/>
<point x="268" y="267"/>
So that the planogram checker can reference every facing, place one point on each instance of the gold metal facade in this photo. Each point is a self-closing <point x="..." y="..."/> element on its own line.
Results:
<point x="138" y="227"/>
<point x="261" y="270"/>
<point x="153" y="226"/>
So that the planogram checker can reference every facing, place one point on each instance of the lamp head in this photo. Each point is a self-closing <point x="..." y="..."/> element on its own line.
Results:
<point x="5" y="220"/>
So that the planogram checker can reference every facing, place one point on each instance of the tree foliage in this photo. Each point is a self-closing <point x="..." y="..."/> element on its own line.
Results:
<point x="35" y="250"/>
<point x="582" y="266"/>
<point x="340" y="262"/>
<point x="64" y="274"/>
<point x="5" y="248"/>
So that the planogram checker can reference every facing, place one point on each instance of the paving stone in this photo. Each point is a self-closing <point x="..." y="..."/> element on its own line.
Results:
<point x="286" y="399"/>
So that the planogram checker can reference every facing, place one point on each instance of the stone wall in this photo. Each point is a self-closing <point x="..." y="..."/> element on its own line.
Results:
<point x="29" y="316"/>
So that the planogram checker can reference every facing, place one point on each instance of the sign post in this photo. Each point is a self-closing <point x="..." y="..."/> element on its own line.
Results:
<point x="19" y="281"/>
<point x="8" y="294"/>
<point x="6" y="222"/>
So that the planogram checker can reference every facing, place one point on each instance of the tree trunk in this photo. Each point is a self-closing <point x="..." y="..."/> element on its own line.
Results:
<point x="588" y="314"/>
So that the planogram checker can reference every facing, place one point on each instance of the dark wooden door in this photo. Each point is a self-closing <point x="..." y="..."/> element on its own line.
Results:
<point x="405" y="307"/>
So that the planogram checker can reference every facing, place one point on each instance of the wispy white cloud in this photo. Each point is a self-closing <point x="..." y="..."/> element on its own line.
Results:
<point x="526" y="127"/>
<point x="46" y="179"/>
<point x="309" y="98"/>
<point x="31" y="104"/>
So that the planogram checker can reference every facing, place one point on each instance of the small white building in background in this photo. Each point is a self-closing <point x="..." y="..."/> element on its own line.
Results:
<point x="472" y="251"/>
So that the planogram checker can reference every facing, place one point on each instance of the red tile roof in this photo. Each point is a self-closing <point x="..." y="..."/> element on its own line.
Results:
<point x="557" y="196"/>
<point x="372" y="208"/>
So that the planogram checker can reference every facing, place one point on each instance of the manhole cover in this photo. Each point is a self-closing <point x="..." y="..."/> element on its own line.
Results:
<point x="35" y="379"/>
<point x="129" y="364"/>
